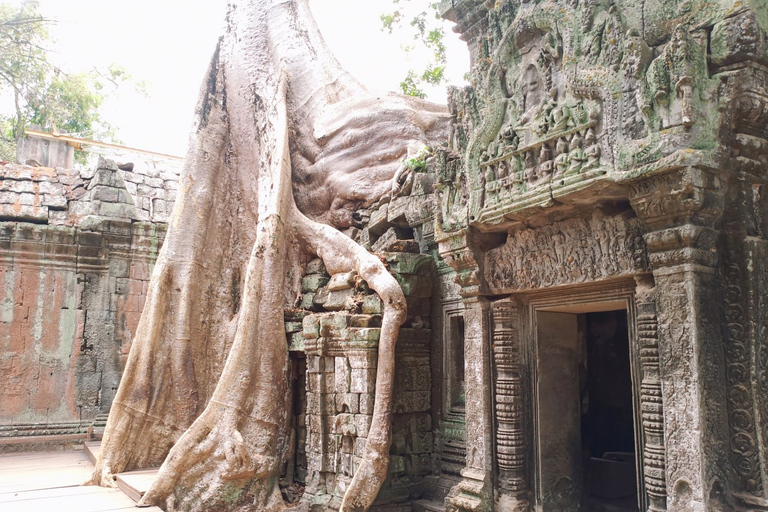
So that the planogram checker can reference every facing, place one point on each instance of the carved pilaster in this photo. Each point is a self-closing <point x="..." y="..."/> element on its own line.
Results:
<point x="682" y="210"/>
<point x="473" y="493"/>
<point x="651" y="403"/>
<point x="510" y="406"/>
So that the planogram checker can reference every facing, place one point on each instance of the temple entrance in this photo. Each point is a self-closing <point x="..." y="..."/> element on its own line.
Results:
<point x="586" y="418"/>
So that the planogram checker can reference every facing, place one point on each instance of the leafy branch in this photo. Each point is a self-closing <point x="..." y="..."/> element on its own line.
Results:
<point x="428" y="33"/>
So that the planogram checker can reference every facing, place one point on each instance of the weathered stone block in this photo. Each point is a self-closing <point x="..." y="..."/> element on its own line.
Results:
<point x="365" y="321"/>
<point x="320" y="298"/>
<point x="296" y="342"/>
<point x="379" y="223"/>
<point x="316" y="266"/>
<point x="363" y="336"/>
<point x="363" y="359"/>
<point x="292" y="327"/>
<point x="362" y="380"/>
<point x="342" y="281"/>
<point x="307" y="301"/>
<point x="104" y="193"/>
<point x="372" y="305"/>
<point x="313" y="282"/>
<point x="347" y="403"/>
<point x="340" y="299"/>
<point x="315" y="364"/>
<point x="363" y="424"/>
<point x="421" y="442"/>
<point x="396" y="464"/>
<point x="333" y="325"/>
<point x="342" y="375"/>
<point x="366" y="403"/>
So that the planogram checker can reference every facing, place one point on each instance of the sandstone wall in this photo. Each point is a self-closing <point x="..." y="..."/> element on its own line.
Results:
<point x="76" y="253"/>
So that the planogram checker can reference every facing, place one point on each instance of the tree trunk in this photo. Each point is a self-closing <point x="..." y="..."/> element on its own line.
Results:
<point x="282" y="134"/>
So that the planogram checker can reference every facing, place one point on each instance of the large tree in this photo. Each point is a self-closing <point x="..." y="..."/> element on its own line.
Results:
<point x="286" y="146"/>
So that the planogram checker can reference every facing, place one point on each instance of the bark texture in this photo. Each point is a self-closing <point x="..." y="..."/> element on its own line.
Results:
<point x="286" y="146"/>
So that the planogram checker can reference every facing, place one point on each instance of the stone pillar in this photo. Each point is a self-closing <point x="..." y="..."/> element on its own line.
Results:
<point x="651" y="403"/>
<point x="473" y="493"/>
<point x="681" y="210"/>
<point x="511" y="443"/>
<point x="743" y="280"/>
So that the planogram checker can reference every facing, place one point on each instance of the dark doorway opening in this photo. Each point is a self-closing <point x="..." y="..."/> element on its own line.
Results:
<point x="607" y="417"/>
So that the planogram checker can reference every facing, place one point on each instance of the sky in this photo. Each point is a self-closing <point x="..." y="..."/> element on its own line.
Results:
<point x="168" y="45"/>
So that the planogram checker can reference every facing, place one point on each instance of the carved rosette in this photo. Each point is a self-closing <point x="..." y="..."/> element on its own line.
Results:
<point x="509" y="404"/>
<point x="738" y="335"/>
<point x="651" y="406"/>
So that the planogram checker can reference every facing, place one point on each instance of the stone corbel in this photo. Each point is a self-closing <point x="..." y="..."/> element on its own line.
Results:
<point x="680" y="209"/>
<point x="461" y="254"/>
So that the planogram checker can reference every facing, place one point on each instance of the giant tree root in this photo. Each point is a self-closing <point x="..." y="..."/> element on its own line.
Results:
<point x="231" y="454"/>
<point x="206" y="389"/>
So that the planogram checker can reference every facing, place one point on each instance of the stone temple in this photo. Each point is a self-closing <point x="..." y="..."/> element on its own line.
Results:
<point x="585" y="263"/>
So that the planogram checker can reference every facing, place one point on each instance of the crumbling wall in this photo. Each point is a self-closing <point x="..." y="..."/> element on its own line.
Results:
<point x="77" y="252"/>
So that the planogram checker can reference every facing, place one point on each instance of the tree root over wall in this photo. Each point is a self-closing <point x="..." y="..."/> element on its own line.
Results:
<point x="282" y="134"/>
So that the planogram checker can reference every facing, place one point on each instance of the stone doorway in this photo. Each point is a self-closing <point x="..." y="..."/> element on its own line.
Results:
<point x="586" y="413"/>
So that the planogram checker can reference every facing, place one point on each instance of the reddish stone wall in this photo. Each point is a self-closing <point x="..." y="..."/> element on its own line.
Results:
<point x="73" y="279"/>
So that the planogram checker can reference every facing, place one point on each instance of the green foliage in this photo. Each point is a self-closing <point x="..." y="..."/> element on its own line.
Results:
<point x="43" y="94"/>
<point x="428" y="33"/>
<point x="418" y="161"/>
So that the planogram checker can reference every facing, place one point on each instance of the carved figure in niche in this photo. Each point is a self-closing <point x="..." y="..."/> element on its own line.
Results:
<point x="561" y="161"/>
<point x="516" y="169"/>
<point x="559" y="243"/>
<point x="345" y="436"/>
<point x="531" y="89"/>
<point x="502" y="171"/>
<point x="545" y="161"/>
<point x="530" y="166"/>
<point x="577" y="156"/>
<point x="611" y="51"/>
<point x="491" y="185"/>
<point x="510" y="139"/>
<point x="546" y="62"/>
<point x="671" y="76"/>
<point x="592" y="151"/>
<point x="633" y="54"/>
<point x="546" y="114"/>
<point x="562" y="118"/>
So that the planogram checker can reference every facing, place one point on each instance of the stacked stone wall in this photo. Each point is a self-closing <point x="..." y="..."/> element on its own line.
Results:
<point x="76" y="254"/>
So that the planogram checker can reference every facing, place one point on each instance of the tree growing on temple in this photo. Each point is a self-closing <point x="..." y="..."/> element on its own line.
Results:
<point x="286" y="146"/>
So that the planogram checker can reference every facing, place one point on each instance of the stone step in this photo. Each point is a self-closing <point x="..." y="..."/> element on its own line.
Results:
<point x="135" y="483"/>
<point x="92" y="449"/>
<point x="428" y="506"/>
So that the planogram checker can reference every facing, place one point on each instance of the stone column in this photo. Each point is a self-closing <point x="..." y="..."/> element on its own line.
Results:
<point x="651" y="403"/>
<point x="681" y="210"/>
<point x="511" y="450"/>
<point x="473" y="493"/>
